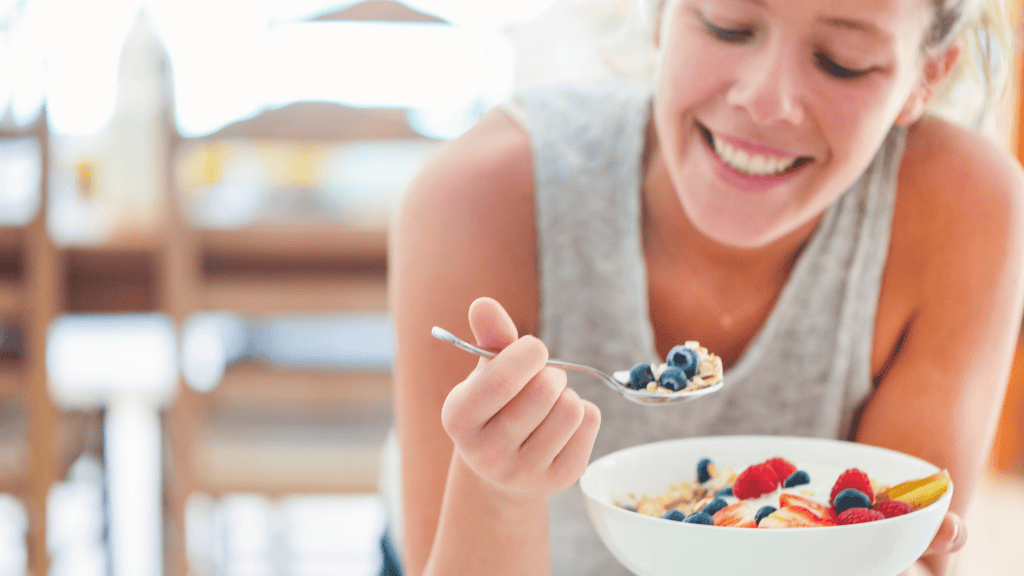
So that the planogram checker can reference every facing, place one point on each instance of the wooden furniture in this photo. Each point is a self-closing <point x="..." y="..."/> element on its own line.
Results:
<point x="28" y="298"/>
<point x="271" y="429"/>
<point x="34" y="290"/>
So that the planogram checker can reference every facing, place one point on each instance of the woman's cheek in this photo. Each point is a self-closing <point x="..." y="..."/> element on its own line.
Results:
<point x="692" y="76"/>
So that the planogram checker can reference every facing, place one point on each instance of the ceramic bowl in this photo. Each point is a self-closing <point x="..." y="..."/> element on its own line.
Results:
<point x="650" y="546"/>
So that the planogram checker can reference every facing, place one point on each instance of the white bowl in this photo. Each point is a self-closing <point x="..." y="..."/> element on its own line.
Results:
<point x="651" y="546"/>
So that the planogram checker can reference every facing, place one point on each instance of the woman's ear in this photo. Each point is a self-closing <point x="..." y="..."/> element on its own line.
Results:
<point x="934" y="73"/>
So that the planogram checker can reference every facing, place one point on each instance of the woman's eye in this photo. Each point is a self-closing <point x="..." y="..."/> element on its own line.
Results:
<point x="831" y="68"/>
<point x="728" y="34"/>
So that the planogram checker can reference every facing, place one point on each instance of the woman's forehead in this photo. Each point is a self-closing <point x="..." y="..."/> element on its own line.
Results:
<point x="893" y="18"/>
<point x="881" y="9"/>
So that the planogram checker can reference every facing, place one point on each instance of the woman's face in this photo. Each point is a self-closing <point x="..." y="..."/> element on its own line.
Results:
<point x="767" y="110"/>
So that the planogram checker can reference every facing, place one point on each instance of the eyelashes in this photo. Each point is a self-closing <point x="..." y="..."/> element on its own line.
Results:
<point x="727" y="34"/>
<point x="822" y="60"/>
<point x="830" y="67"/>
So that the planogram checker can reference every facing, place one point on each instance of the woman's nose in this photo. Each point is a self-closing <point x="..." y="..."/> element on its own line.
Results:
<point x="766" y="86"/>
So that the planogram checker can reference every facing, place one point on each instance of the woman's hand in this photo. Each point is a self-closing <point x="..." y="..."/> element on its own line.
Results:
<point x="513" y="420"/>
<point x="951" y="537"/>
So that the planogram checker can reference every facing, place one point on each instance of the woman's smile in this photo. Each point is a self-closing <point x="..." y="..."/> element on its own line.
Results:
<point x="750" y="166"/>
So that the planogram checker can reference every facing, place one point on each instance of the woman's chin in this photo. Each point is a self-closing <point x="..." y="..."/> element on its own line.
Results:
<point x="734" y="232"/>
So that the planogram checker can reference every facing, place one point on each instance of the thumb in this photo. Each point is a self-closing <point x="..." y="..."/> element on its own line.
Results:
<point x="492" y="327"/>
<point x="951" y="537"/>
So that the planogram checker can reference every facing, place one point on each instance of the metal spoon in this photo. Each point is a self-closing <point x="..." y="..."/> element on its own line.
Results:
<point x="618" y="381"/>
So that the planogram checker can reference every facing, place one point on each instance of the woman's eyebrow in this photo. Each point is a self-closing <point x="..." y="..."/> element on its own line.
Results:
<point x="857" y="25"/>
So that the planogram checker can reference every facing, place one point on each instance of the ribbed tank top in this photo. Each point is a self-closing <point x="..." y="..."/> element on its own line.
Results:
<point x="805" y="373"/>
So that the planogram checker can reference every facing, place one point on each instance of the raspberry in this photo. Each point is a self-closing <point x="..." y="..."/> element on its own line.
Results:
<point x="782" y="468"/>
<point x="859" y="516"/>
<point x="892" y="508"/>
<point x="755" y="481"/>
<point x="852" y="478"/>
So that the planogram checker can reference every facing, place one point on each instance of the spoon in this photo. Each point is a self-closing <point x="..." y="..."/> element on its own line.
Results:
<point x="618" y="381"/>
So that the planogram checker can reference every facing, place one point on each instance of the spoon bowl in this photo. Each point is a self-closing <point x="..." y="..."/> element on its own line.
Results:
<point x="617" y="381"/>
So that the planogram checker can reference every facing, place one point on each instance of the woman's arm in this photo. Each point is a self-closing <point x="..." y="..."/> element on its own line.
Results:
<point x="465" y="230"/>
<point x="953" y="289"/>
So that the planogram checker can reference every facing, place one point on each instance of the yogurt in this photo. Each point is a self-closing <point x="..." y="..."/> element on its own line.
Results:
<point x="819" y="489"/>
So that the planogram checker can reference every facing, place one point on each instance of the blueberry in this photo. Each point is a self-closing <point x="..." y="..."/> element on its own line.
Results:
<point x="674" y="515"/>
<point x="714" y="506"/>
<point x="704" y="470"/>
<point x="727" y="491"/>
<point x="699" y="518"/>
<point x="796" y="479"/>
<point x="684" y="358"/>
<point x="762" y="513"/>
<point x="850" y="498"/>
<point x="673" y="378"/>
<point x="640" y="375"/>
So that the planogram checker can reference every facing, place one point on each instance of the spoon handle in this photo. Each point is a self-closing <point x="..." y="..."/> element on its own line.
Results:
<point x="442" y="334"/>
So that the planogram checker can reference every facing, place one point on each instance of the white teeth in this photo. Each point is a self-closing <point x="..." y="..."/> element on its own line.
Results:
<point x="752" y="164"/>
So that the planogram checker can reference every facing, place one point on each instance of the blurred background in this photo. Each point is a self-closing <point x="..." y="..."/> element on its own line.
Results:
<point x="194" y="197"/>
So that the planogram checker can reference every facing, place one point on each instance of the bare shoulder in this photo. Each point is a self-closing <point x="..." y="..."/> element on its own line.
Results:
<point x="466" y="226"/>
<point x="957" y="232"/>
<point x="949" y="170"/>
<point x="960" y="196"/>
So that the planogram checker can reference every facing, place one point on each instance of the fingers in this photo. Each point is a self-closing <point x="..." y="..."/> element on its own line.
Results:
<point x="492" y="327"/>
<point x="513" y="420"/>
<point x="514" y="423"/>
<point x="473" y="402"/>
<point x="572" y="461"/>
<point x="951" y="537"/>
<point x="550" y="437"/>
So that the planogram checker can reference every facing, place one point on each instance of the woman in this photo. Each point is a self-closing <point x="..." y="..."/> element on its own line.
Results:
<point x="780" y="195"/>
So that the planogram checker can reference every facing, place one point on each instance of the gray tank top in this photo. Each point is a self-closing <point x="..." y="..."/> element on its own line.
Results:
<point x="805" y="373"/>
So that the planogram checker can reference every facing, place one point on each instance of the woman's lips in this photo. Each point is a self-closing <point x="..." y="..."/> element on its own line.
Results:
<point x="756" y="147"/>
<point x="770" y="166"/>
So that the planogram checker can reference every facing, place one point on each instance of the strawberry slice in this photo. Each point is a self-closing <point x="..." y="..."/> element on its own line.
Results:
<point x="822" y="512"/>
<point x="736" y="515"/>
<point x="793" y="517"/>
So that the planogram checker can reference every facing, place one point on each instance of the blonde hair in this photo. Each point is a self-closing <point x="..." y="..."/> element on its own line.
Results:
<point x="980" y="76"/>
<point x="982" y="28"/>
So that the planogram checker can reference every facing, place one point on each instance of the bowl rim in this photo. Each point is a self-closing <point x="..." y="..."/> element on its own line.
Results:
<point x="586" y="479"/>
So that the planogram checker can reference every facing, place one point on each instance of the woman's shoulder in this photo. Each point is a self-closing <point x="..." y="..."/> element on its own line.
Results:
<point x="484" y="173"/>
<point x="466" y="227"/>
<point x="950" y="170"/>
<point x="959" y="213"/>
<point x="957" y="233"/>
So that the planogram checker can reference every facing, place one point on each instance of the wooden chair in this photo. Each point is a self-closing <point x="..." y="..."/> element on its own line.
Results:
<point x="264" y="428"/>
<point x="44" y="441"/>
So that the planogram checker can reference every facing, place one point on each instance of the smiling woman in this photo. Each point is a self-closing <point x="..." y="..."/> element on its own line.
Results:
<point x="779" y="191"/>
